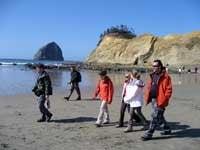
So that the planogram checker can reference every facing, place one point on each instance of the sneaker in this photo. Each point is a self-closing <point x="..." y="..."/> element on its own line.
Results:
<point x="106" y="122"/>
<point x="98" y="125"/>
<point x="128" y="129"/>
<point x="67" y="98"/>
<point x="41" y="120"/>
<point x="49" y="117"/>
<point x="78" y="99"/>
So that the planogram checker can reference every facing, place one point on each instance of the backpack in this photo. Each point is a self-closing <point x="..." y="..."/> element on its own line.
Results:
<point x="79" y="78"/>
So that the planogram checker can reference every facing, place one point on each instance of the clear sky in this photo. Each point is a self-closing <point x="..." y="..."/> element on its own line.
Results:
<point x="27" y="25"/>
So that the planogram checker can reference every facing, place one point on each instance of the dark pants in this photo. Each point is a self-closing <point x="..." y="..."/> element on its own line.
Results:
<point x="158" y="119"/>
<point x="44" y="111"/>
<point x="75" y="86"/>
<point x="137" y="111"/>
<point x="122" y="112"/>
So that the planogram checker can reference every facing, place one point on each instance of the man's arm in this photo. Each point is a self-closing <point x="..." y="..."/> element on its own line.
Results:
<point x="48" y="86"/>
<point x="97" y="90"/>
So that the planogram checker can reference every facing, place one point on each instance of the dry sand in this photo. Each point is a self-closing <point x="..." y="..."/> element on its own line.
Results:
<point x="72" y="126"/>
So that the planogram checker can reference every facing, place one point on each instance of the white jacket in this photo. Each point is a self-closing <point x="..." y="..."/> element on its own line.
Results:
<point x="134" y="93"/>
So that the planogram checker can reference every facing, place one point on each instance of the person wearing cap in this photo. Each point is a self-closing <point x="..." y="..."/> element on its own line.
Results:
<point x="74" y="82"/>
<point x="43" y="89"/>
<point x="158" y="92"/>
<point x="105" y="92"/>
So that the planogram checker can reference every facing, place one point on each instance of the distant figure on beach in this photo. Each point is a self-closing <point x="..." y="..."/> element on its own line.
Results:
<point x="158" y="91"/>
<point x="74" y="82"/>
<point x="43" y="89"/>
<point x="105" y="92"/>
<point x="135" y="99"/>
<point x="129" y="77"/>
<point x="179" y="70"/>
<point x="195" y="70"/>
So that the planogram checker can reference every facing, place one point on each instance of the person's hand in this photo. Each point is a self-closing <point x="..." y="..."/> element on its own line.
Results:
<point x="48" y="104"/>
<point x="109" y="102"/>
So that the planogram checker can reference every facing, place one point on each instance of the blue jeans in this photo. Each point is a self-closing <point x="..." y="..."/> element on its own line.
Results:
<point x="157" y="120"/>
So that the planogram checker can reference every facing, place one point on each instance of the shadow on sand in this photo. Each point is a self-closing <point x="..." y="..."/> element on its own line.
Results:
<point x="75" y="120"/>
<point x="180" y="131"/>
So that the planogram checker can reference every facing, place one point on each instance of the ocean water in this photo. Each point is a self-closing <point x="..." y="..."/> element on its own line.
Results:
<point x="17" y="79"/>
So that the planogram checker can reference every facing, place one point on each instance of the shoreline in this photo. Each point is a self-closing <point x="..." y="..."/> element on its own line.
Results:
<point x="104" y="66"/>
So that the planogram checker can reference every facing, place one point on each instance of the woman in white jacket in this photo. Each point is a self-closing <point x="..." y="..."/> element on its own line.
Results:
<point x="134" y="97"/>
<point x="129" y="77"/>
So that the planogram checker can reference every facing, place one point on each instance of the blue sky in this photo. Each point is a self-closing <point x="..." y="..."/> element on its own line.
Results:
<point x="27" y="25"/>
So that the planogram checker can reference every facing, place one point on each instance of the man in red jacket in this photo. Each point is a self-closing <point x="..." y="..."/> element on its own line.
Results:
<point x="158" y="91"/>
<point x="105" y="91"/>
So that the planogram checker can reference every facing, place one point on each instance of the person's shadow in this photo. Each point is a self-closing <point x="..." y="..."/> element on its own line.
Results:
<point x="75" y="120"/>
<point x="180" y="131"/>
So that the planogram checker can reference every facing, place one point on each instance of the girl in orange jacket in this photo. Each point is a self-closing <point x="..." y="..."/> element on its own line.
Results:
<point x="105" y="92"/>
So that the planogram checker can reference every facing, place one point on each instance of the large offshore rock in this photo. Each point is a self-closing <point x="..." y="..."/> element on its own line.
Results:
<point x="51" y="51"/>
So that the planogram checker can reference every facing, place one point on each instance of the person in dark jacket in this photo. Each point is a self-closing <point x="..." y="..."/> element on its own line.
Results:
<point x="74" y="82"/>
<point x="43" y="89"/>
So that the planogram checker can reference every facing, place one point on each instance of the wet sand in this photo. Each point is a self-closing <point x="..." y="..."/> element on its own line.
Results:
<point x="72" y="126"/>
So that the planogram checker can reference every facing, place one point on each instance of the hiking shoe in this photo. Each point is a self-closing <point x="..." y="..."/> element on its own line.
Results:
<point x="67" y="98"/>
<point x="41" y="120"/>
<point x="78" y="99"/>
<point x="49" y="117"/>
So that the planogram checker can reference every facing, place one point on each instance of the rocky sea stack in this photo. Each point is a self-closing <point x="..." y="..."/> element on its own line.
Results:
<point x="51" y="51"/>
<point x="142" y="50"/>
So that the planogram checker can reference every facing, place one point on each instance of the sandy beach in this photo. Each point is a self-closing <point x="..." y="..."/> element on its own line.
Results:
<point x="72" y="126"/>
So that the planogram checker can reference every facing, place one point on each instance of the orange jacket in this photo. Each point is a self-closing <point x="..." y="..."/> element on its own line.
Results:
<point x="164" y="90"/>
<point x="105" y="90"/>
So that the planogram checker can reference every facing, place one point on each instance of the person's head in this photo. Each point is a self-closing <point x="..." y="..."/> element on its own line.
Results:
<point x="103" y="74"/>
<point x="138" y="76"/>
<point x="133" y="74"/>
<point x="157" y="66"/>
<point x="40" y="68"/>
<point x="73" y="68"/>
<point x="127" y="77"/>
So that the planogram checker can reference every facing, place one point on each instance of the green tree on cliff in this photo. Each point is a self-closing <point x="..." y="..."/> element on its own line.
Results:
<point x="120" y="30"/>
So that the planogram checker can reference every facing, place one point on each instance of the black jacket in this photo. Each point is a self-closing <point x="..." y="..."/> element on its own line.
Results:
<point x="43" y="85"/>
<point x="75" y="77"/>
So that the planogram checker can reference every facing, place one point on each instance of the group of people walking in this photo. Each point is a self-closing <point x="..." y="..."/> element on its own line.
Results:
<point x="158" y="90"/>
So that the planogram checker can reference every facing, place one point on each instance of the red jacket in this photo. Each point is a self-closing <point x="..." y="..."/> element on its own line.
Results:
<point x="105" y="90"/>
<point x="164" y="90"/>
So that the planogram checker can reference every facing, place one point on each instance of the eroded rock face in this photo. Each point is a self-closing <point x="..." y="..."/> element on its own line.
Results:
<point x="171" y="49"/>
<point x="51" y="51"/>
